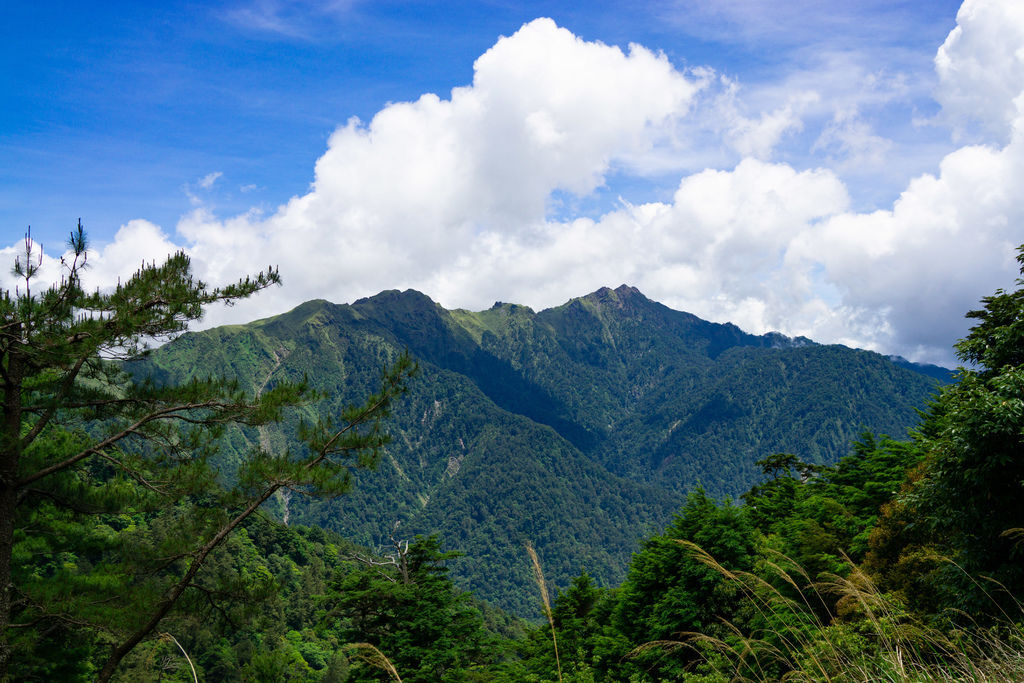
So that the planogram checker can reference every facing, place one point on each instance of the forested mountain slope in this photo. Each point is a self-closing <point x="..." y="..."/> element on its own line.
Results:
<point x="578" y="428"/>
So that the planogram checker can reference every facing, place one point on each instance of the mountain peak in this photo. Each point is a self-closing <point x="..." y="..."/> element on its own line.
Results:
<point x="391" y="297"/>
<point x="627" y="290"/>
<point x="622" y="291"/>
<point x="617" y="297"/>
<point x="510" y="308"/>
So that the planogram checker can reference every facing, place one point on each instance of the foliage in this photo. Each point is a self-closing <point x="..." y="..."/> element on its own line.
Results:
<point x="580" y="428"/>
<point x="111" y="502"/>
<point x="846" y="572"/>
<point x="820" y="517"/>
<point x="876" y="639"/>
<point x="579" y="615"/>
<point x="944" y="546"/>
<point x="956" y="521"/>
<point x="406" y="607"/>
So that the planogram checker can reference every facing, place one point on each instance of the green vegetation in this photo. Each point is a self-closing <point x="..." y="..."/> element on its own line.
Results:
<point x="902" y="562"/>
<point x="145" y="547"/>
<point x="112" y="505"/>
<point x="580" y="429"/>
<point x="431" y="631"/>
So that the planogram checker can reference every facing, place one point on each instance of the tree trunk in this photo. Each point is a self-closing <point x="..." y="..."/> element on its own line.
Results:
<point x="10" y="455"/>
<point x="8" y="501"/>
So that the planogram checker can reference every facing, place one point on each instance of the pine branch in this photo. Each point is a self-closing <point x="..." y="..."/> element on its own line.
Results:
<point x="376" y="406"/>
<point x="167" y="413"/>
<point x="65" y="389"/>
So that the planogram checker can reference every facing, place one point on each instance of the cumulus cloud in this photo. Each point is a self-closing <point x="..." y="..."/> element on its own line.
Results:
<point x="981" y="66"/>
<point x="546" y="111"/>
<point x="716" y="248"/>
<point x="947" y="241"/>
<point x="452" y="195"/>
<point x="137" y="242"/>
<point x="399" y="198"/>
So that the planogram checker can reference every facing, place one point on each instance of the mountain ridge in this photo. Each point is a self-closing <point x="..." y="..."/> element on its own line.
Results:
<point x="579" y="428"/>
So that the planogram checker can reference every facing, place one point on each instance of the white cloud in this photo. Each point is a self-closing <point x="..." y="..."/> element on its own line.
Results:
<point x="546" y="111"/>
<point x="136" y="242"/>
<point x="828" y="111"/>
<point x="981" y="66"/>
<point x="757" y="136"/>
<point x="715" y="249"/>
<point x="852" y="143"/>
<point x="402" y="197"/>
<point x="946" y="242"/>
<point x="450" y="196"/>
<point x="207" y="181"/>
<point x="290" y="19"/>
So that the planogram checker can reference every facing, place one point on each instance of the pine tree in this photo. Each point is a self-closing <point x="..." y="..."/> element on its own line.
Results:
<point x="79" y="437"/>
<point x="404" y="604"/>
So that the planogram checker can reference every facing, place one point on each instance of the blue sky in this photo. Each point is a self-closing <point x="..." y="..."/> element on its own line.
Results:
<point x="111" y="109"/>
<point x="746" y="162"/>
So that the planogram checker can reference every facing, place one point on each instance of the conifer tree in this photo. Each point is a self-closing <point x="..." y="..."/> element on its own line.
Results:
<point x="79" y="436"/>
<point x="953" y="537"/>
<point x="404" y="604"/>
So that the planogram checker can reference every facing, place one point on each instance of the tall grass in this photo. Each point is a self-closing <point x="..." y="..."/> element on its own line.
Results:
<point x="374" y="657"/>
<point x="538" y="575"/>
<point x="797" y="637"/>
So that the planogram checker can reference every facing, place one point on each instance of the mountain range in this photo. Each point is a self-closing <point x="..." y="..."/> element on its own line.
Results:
<point x="579" y="429"/>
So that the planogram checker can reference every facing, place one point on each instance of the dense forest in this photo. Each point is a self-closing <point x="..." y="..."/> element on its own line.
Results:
<point x="143" y="513"/>
<point x="580" y="429"/>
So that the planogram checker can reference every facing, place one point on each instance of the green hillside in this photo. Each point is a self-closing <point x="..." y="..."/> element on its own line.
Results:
<point x="579" y="428"/>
